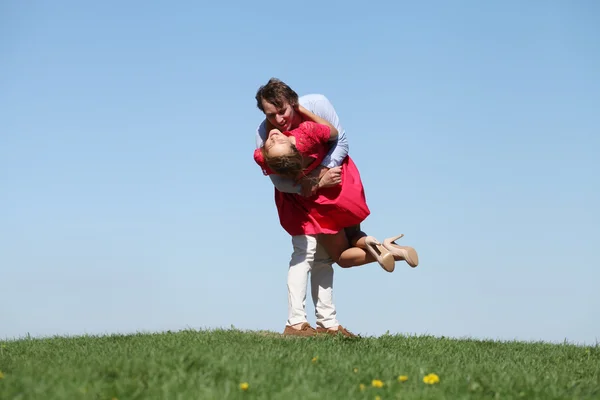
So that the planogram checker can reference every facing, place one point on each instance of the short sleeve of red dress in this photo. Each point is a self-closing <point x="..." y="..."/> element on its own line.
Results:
<point x="310" y="136"/>
<point x="260" y="160"/>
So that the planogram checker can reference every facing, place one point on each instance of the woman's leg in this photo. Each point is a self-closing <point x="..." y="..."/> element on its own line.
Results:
<point x="347" y="247"/>
<point x="356" y="237"/>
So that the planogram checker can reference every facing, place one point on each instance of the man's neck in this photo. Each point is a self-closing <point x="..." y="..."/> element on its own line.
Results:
<point x="297" y="120"/>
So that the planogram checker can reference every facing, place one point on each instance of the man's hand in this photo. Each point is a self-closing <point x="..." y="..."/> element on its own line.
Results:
<point x="331" y="177"/>
<point x="320" y="178"/>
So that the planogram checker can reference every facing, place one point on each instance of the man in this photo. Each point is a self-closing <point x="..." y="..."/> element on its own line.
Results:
<point x="278" y="102"/>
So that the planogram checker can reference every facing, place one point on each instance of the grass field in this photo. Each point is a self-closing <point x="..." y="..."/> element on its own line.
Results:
<point x="214" y="365"/>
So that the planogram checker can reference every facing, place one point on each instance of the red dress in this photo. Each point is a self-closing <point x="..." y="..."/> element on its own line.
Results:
<point x="331" y="209"/>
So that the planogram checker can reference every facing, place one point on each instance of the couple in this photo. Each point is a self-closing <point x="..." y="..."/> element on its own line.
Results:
<point x="320" y="200"/>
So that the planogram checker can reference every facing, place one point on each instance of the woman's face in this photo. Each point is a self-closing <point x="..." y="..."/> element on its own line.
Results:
<point x="277" y="144"/>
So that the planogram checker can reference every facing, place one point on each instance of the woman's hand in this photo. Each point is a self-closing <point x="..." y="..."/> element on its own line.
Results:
<point x="309" y="185"/>
<point x="309" y="116"/>
<point x="302" y="111"/>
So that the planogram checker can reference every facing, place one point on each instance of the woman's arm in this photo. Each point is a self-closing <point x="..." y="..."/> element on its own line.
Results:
<point x="315" y="118"/>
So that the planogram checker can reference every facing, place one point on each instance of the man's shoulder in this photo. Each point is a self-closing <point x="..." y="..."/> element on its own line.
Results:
<point x="262" y="125"/>
<point x="312" y="98"/>
<point x="261" y="133"/>
<point x="318" y="103"/>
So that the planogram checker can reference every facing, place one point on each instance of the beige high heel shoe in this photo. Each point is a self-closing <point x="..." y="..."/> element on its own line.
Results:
<point x="383" y="256"/>
<point x="405" y="253"/>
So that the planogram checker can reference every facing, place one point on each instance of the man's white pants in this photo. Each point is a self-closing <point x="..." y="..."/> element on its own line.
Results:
<point x="310" y="257"/>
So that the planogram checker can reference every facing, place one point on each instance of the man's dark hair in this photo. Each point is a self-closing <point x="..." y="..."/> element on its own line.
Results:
<point x="277" y="93"/>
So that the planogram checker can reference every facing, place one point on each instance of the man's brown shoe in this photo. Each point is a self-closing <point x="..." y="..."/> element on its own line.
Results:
<point x="305" y="330"/>
<point x="334" y="332"/>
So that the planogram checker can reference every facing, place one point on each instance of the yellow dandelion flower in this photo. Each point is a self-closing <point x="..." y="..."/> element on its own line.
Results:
<point x="244" y="386"/>
<point x="1" y="375"/>
<point x="377" y="383"/>
<point x="355" y="370"/>
<point x="362" y="386"/>
<point x="402" y="378"/>
<point x="315" y="359"/>
<point x="377" y="397"/>
<point x="431" y="379"/>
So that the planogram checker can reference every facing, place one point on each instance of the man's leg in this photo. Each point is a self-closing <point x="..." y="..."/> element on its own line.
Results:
<point x="300" y="265"/>
<point x="322" y="294"/>
<point x="322" y="288"/>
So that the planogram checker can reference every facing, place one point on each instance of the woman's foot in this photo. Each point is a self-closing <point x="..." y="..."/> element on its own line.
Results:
<point x="383" y="256"/>
<point x="401" y="253"/>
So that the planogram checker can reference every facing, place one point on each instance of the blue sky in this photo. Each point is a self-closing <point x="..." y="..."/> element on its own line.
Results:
<point x="131" y="202"/>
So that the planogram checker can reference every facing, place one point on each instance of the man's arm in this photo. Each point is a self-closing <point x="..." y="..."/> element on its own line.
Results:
<point x="339" y="149"/>
<point x="282" y="184"/>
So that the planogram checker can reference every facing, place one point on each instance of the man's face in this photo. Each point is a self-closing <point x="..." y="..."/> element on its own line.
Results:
<point x="282" y="118"/>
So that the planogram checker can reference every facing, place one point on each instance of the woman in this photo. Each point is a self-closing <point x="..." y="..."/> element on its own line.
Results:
<point x="334" y="214"/>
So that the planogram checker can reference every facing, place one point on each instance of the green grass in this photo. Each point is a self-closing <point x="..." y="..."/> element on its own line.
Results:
<point x="212" y="364"/>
